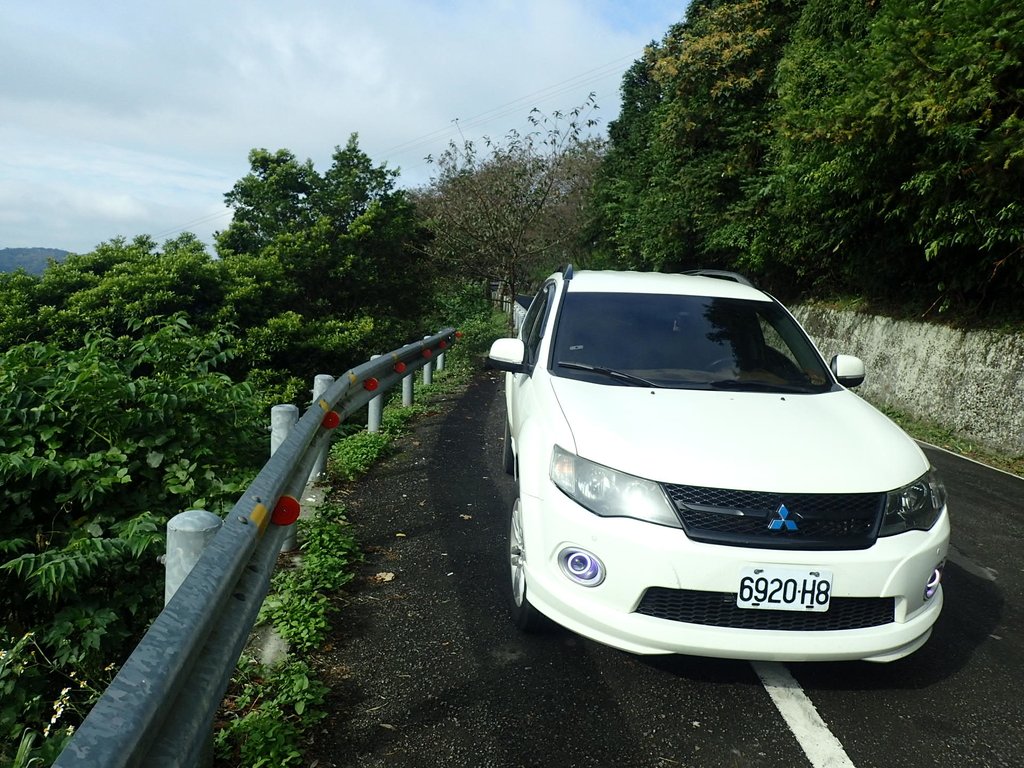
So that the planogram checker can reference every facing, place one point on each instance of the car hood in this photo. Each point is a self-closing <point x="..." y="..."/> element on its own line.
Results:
<point x="823" y="443"/>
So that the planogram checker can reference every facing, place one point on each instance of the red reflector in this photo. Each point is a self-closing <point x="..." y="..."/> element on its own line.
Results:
<point x="399" y="367"/>
<point x="443" y="344"/>
<point x="458" y="334"/>
<point x="331" y="420"/>
<point x="370" y="385"/>
<point x="427" y="353"/>
<point x="286" y="511"/>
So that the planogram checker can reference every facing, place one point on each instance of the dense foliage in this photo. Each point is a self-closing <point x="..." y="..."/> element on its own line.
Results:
<point x="827" y="146"/>
<point x="99" y="446"/>
<point x="321" y="266"/>
<point x="113" y="290"/>
<point x="134" y="383"/>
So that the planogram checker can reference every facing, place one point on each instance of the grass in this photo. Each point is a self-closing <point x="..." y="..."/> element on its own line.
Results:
<point x="937" y="434"/>
<point x="353" y="455"/>
<point x="268" y="709"/>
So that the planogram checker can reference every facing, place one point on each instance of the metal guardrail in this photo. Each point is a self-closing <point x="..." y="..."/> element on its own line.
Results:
<point x="159" y="709"/>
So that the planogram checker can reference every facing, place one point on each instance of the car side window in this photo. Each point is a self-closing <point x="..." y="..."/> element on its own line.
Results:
<point x="531" y="315"/>
<point x="533" y="327"/>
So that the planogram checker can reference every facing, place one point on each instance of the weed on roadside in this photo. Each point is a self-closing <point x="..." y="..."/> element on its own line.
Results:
<point x="944" y="437"/>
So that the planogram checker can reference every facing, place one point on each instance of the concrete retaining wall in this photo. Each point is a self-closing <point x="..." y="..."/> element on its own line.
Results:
<point x="969" y="381"/>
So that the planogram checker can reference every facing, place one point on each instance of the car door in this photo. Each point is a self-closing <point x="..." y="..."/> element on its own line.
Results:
<point x="519" y="386"/>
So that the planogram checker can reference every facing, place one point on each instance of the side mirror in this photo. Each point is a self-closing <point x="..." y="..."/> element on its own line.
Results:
<point x="848" y="370"/>
<point x="507" y="355"/>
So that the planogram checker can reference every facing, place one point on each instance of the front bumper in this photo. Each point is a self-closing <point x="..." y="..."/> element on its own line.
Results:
<point x="639" y="555"/>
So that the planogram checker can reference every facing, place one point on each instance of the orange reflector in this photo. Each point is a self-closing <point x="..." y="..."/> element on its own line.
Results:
<point x="331" y="420"/>
<point x="259" y="515"/>
<point x="286" y="511"/>
<point x="370" y="384"/>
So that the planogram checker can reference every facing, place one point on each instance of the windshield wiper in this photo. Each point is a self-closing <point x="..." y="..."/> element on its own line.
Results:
<point x="611" y="373"/>
<point x="755" y="385"/>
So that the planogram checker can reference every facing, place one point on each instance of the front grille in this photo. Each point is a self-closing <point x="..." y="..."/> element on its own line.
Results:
<point x="719" y="609"/>
<point x="817" y="521"/>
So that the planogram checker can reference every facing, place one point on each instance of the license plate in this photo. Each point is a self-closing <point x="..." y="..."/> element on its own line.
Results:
<point x="784" y="589"/>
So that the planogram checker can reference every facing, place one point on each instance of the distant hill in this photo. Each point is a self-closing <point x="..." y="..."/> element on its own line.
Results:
<point x="32" y="260"/>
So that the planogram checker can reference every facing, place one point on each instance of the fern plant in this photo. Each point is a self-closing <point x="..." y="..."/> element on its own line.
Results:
<point x="99" y="447"/>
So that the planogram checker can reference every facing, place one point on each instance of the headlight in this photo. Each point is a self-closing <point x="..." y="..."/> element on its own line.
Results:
<point x="916" y="507"/>
<point x="609" y="493"/>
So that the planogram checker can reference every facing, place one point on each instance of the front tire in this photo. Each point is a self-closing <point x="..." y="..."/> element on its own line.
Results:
<point x="524" y="615"/>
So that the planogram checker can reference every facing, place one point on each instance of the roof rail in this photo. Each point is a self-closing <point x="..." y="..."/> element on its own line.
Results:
<point x="721" y="274"/>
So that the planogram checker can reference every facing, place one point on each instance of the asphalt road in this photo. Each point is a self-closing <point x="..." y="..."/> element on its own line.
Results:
<point x="426" y="669"/>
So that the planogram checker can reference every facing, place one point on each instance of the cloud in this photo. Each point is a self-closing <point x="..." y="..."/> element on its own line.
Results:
<point x="124" y="118"/>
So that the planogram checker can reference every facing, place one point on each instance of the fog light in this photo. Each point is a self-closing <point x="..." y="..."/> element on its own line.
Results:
<point x="933" y="582"/>
<point x="581" y="566"/>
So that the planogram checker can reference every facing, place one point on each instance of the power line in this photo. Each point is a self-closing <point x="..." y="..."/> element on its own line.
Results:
<point x="510" y="107"/>
<point x="587" y="78"/>
<point x="188" y="225"/>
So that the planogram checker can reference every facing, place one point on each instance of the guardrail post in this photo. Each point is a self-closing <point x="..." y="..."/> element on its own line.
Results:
<point x="321" y="383"/>
<point x="188" y="533"/>
<point x="282" y="419"/>
<point x="374" y="409"/>
<point x="428" y="371"/>
<point x="440" y="362"/>
<point x="407" y="385"/>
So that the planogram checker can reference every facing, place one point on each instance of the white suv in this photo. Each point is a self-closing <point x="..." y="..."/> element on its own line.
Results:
<point x="694" y="478"/>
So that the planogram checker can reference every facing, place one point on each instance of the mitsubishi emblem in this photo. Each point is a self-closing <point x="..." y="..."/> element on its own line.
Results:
<point x="781" y="520"/>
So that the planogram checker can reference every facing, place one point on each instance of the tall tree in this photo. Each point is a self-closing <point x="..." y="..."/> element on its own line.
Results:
<point x="697" y="127"/>
<point x="613" y="228"/>
<point x="320" y="262"/>
<point x="825" y="189"/>
<point x="514" y="209"/>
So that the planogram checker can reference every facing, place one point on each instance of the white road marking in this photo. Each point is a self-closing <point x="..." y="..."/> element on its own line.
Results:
<point x="968" y="458"/>
<point x="956" y="556"/>
<point x="815" y="739"/>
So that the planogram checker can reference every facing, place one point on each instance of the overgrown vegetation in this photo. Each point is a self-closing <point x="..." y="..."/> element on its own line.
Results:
<point x="270" y="706"/>
<point x="134" y="384"/>
<point x="828" y="146"/>
<point x="99" y="446"/>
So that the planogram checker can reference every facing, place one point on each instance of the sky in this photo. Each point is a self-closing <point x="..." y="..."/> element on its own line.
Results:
<point x="127" y="118"/>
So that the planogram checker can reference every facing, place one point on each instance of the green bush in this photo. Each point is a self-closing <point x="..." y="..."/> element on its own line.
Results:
<point x="472" y="312"/>
<point x="99" y="447"/>
<point x="298" y="606"/>
<point x="268" y="708"/>
<point x="268" y="713"/>
<point x="352" y="456"/>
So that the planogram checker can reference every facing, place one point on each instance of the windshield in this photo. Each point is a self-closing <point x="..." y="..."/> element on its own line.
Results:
<point x="691" y="342"/>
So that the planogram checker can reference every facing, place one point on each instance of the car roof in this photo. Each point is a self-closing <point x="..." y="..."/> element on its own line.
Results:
<point x="608" y="281"/>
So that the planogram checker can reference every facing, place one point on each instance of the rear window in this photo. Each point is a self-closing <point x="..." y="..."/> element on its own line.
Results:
<point x="694" y="342"/>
